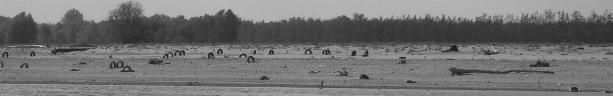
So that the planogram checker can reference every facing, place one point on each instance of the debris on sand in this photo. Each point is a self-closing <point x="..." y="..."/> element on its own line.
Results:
<point x="573" y="89"/>
<point x="540" y="63"/>
<point x="156" y="61"/>
<point x="403" y="60"/>
<point x="264" y="78"/>
<point x="343" y="72"/>
<point x="364" y="77"/>
<point x="82" y="63"/>
<point x="608" y="53"/>
<point x="74" y="69"/>
<point x="454" y="48"/>
<point x="314" y="72"/>
<point x="410" y="81"/>
<point x="456" y="71"/>
<point x="1" y="64"/>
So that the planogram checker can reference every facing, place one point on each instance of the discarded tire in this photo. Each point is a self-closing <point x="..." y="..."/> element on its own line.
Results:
<point x="171" y="54"/>
<point x="1" y="64"/>
<point x="113" y="65"/>
<point x="254" y="52"/>
<point x="5" y="54"/>
<point x="177" y="53"/>
<point x="127" y="69"/>
<point x="120" y="64"/>
<point x="326" y="52"/>
<point x="264" y="78"/>
<point x="308" y="51"/>
<point x="271" y="52"/>
<point x="242" y="55"/>
<point x="24" y="65"/>
<point x="219" y="51"/>
<point x="183" y="52"/>
<point x="165" y="56"/>
<point x="365" y="54"/>
<point x="364" y="77"/>
<point x="210" y="55"/>
<point x="250" y="59"/>
<point x="353" y="53"/>
<point x="32" y="54"/>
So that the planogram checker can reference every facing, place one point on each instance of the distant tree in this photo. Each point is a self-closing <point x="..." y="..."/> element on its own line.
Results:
<point x="23" y="29"/>
<point x="72" y="25"/>
<point x="44" y="35"/>
<point x="126" y="22"/>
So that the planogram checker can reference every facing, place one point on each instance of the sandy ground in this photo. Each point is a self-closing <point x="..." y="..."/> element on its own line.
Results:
<point x="136" y="90"/>
<point x="588" y="68"/>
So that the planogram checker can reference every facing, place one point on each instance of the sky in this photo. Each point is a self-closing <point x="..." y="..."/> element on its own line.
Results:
<point x="51" y="11"/>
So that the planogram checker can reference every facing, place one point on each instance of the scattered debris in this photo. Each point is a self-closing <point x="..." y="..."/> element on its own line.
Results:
<point x="605" y="91"/>
<point x="264" y="78"/>
<point x="403" y="60"/>
<point x="456" y="71"/>
<point x="540" y="63"/>
<point x="343" y="72"/>
<point x="364" y="77"/>
<point x="82" y="63"/>
<point x="454" y="48"/>
<point x="573" y="89"/>
<point x="156" y="61"/>
<point x="314" y="72"/>
<point x="74" y="69"/>
<point x="410" y="81"/>
<point x="608" y="53"/>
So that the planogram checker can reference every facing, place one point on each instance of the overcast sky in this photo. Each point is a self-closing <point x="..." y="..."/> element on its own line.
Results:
<point x="46" y="11"/>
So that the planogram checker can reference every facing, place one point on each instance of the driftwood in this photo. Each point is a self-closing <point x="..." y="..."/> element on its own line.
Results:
<point x="456" y="71"/>
<point x="64" y="50"/>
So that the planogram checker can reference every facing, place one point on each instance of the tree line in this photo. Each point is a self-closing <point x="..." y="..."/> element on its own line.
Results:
<point x="127" y="24"/>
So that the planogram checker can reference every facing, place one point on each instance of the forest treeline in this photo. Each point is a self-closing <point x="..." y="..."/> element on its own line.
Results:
<point x="127" y="24"/>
